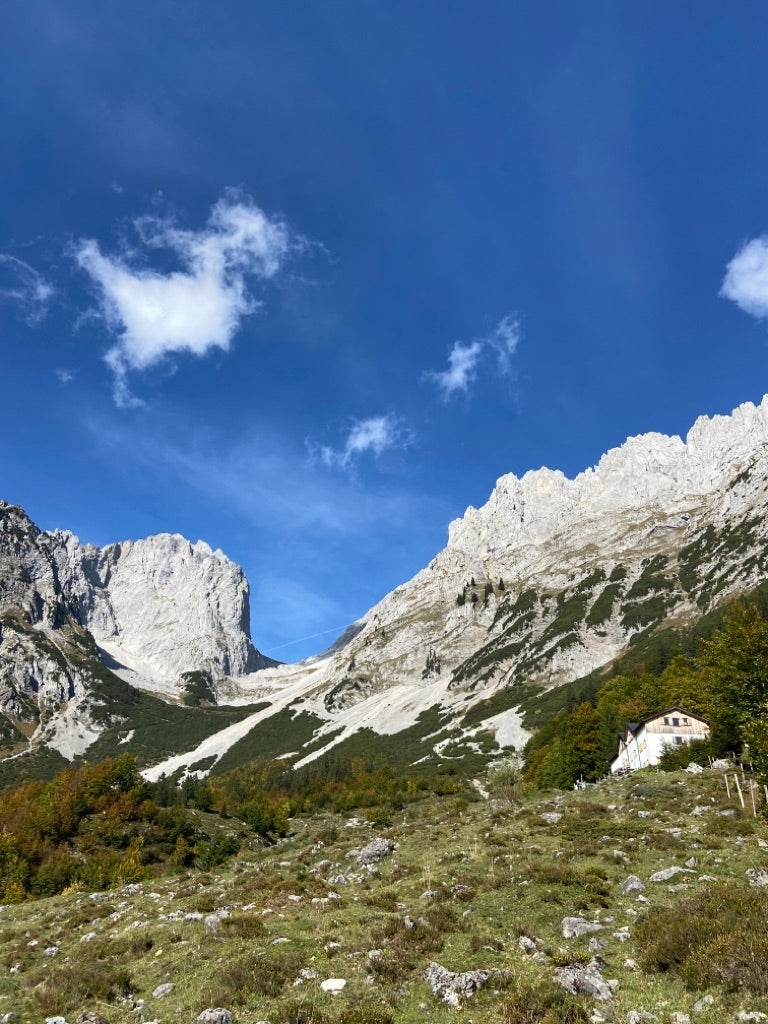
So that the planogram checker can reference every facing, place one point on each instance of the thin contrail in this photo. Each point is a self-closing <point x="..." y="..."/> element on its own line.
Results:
<point x="333" y="629"/>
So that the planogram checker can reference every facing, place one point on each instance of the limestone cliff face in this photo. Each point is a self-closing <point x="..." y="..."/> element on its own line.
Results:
<point x="161" y="606"/>
<point x="552" y="577"/>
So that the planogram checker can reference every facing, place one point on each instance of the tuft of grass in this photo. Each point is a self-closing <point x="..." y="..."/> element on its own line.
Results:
<point x="542" y="1003"/>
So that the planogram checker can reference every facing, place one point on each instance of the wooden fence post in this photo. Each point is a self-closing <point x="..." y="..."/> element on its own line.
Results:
<point x="738" y="787"/>
<point x="727" y="787"/>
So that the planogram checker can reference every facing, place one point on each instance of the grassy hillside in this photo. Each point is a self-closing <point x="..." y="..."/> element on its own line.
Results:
<point x="472" y="885"/>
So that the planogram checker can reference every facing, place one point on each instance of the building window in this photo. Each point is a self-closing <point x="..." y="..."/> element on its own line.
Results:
<point x="666" y="721"/>
<point x="675" y="721"/>
<point x="678" y="740"/>
<point x="685" y="721"/>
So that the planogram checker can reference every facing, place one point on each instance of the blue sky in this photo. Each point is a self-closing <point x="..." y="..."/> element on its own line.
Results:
<point x="302" y="279"/>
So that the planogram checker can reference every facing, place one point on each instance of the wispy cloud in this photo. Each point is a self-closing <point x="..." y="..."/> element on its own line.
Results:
<point x="375" y="434"/>
<point x="466" y="358"/>
<point x="153" y="313"/>
<point x="746" y="278"/>
<point x="21" y="283"/>
<point x="64" y="376"/>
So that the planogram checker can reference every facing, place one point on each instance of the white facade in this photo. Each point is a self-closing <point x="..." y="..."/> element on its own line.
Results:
<point x="642" y="744"/>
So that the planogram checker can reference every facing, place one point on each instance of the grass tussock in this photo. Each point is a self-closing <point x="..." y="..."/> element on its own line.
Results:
<point x="263" y="973"/>
<point x="542" y="1003"/>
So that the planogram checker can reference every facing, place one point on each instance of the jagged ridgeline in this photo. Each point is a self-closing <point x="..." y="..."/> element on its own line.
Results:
<point x="146" y="646"/>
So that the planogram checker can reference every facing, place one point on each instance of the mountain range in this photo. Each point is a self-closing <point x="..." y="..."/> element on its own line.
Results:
<point x="145" y="646"/>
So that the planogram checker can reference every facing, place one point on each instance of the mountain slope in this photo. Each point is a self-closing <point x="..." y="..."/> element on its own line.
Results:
<point x="550" y="580"/>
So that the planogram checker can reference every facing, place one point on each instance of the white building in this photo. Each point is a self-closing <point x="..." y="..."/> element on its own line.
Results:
<point x="642" y="743"/>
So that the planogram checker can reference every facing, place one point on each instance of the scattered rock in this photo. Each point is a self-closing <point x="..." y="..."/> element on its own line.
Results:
<point x="595" y="945"/>
<point x="551" y="817"/>
<point x="680" y="1018"/>
<point x="51" y="951"/>
<point x="376" y="850"/>
<point x="163" y="990"/>
<point x="694" y="769"/>
<point x="88" y="937"/>
<point x="666" y="874"/>
<point x="89" y="1017"/>
<point x="758" y="877"/>
<point x="216" y="1015"/>
<point x="632" y="884"/>
<point x="574" y="927"/>
<point x="585" y="980"/>
<point x="450" y="986"/>
<point x="305" y="974"/>
<point x="703" y="1003"/>
<point x="333" y="985"/>
<point x="755" y="1015"/>
<point x="639" y="1016"/>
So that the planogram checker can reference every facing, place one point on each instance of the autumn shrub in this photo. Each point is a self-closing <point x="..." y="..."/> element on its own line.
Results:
<point x="88" y="979"/>
<point x="715" y="938"/>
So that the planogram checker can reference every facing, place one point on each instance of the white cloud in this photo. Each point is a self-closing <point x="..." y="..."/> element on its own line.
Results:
<point x="64" y="376"/>
<point x="746" y="278"/>
<point x="375" y="434"/>
<point x="193" y="309"/>
<point x="465" y="358"/>
<point x="23" y="284"/>
<point x="462" y="368"/>
<point x="504" y="340"/>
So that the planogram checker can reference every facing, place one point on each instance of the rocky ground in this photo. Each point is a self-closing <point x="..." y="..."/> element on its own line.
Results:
<point x="495" y="910"/>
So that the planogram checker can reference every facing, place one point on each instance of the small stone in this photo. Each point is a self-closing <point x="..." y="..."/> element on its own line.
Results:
<point x="584" y="981"/>
<point x="55" y="1020"/>
<point x="632" y="884"/>
<point x="88" y="937"/>
<point x="595" y="945"/>
<point x="163" y="990"/>
<point x="89" y="1017"/>
<point x="305" y="974"/>
<point x="333" y="985"/>
<point x="378" y="849"/>
<point x="758" y="877"/>
<point x="575" y="927"/>
<point x="216" y="1015"/>
<point x="703" y="1003"/>
<point x="332" y="947"/>
<point x="639" y="1016"/>
<point x="666" y="874"/>
<point x="551" y="817"/>
<point x="680" y="1018"/>
<point x="755" y="1015"/>
<point x="630" y="964"/>
<point x="51" y="951"/>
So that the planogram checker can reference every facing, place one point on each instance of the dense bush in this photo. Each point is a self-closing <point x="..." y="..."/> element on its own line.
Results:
<point x="716" y="938"/>
<point x="96" y="826"/>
